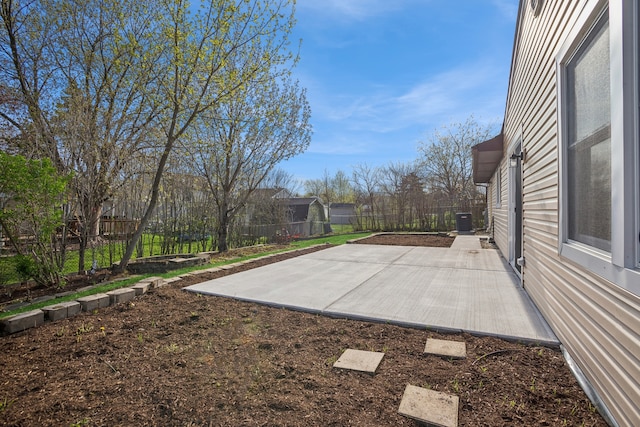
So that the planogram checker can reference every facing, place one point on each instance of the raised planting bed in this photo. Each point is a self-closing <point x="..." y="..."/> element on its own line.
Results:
<point x="165" y="263"/>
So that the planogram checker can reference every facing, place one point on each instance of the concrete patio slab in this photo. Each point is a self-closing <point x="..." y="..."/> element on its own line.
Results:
<point x="359" y="360"/>
<point x="430" y="407"/>
<point x="462" y="288"/>
<point x="370" y="254"/>
<point x="308" y="284"/>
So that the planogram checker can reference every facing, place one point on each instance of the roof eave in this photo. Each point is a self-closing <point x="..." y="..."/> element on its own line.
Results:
<point x="486" y="158"/>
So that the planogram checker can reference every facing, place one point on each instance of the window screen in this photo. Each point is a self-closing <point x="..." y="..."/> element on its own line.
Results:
<point x="588" y="150"/>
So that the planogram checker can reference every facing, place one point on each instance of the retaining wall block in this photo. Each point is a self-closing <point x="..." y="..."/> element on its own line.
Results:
<point x="62" y="310"/>
<point x="93" y="302"/>
<point x="141" y="288"/>
<point x="23" y="321"/>
<point x="121" y="295"/>
<point x="154" y="282"/>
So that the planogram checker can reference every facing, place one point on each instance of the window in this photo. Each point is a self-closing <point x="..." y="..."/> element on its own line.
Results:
<point x="588" y="145"/>
<point x="599" y="146"/>
<point x="498" y="186"/>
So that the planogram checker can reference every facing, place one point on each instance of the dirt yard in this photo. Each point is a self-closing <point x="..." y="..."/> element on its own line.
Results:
<point x="409" y="239"/>
<point x="173" y="358"/>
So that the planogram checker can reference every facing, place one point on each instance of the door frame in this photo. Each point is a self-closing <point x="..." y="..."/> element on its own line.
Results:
<point x="515" y="220"/>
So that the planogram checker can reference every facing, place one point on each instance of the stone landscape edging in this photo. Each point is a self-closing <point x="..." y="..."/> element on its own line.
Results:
<point x="34" y="318"/>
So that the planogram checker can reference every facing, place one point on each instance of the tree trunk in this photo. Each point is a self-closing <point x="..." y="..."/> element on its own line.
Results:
<point x="223" y="235"/>
<point x="82" y="250"/>
<point x="89" y="231"/>
<point x="223" y="227"/>
<point x="155" y="193"/>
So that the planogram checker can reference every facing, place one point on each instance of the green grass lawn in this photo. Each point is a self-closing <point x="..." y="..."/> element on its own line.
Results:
<point x="300" y="244"/>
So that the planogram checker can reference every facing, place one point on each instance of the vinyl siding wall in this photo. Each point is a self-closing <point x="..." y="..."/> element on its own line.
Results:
<point x="597" y="321"/>
<point x="500" y="212"/>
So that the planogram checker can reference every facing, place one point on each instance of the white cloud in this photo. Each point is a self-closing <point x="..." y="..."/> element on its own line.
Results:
<point x="473" y="88"/>
<point x="365" y="121"/>
<point x="460" y="91"/>
<point x="349" y="10"/>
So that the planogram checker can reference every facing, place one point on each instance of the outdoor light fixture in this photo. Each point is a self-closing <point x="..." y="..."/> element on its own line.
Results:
<point x="515" y="159"/>
<point x="536" y="6"/>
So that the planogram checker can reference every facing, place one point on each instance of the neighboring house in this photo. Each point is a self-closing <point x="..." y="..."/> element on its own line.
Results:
<point x="265" y="206"/>
<point x="342" y="213"/>
<point x="564" y="186"/>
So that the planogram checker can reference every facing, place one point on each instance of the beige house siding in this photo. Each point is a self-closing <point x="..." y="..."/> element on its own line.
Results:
<point x="500" y="211"/>
<point x="597" y="321"/>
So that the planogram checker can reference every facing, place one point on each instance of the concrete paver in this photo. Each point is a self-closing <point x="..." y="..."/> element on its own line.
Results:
<point x="453" y="349"/>
<point x="462" y="288"/>
<point x="359" y="360"/>
<point x="428" y="406"/>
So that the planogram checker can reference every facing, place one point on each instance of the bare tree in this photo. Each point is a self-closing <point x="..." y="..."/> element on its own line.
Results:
<point x="266" y="210"/>
<point x="131" y="60"/>
<point x="331" y="189"/>
<point x="314" y="187"/>
<point x="366" y="181"/>
<point x="402" y="187"/>
<point x="28" y="69"/>
<point x="82" y="72"/>
<point x="198" y="46"/>
<point x="445" y="160"/>
<point x="262" y="124"/>
<point x="281" y="179"/>
<point x="342" y="188"/>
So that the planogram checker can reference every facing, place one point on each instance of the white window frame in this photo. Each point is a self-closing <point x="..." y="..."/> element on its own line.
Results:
<point x="622" y="265"/>
<point x="498" y="187"/>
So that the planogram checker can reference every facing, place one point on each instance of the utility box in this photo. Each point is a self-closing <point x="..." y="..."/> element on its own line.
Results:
<point x="463" y="222"/>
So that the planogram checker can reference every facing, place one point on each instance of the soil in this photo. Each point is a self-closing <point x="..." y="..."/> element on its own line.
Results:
<point x="409" y="239"/>
<point x="174" y="358"/>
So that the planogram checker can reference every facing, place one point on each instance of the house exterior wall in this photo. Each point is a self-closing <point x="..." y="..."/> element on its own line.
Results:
<point x="499" y="212"/>
<point x="597" y="321"/>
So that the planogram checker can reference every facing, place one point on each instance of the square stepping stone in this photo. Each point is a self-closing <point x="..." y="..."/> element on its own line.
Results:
<point x="454" y="349"/>
<point x="359" y="360"/>
<point x="429" y="407"/>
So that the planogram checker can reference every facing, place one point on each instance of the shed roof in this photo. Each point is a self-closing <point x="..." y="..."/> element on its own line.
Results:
<point x="486" y="158"/>
<point x="295" y="201"/>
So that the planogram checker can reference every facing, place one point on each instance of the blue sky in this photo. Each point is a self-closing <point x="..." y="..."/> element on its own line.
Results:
<point x="383" y="75"/>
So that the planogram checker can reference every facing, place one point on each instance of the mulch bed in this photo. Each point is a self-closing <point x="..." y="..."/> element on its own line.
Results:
<point x="408" y="239"/>
<point x="174" y="358"/>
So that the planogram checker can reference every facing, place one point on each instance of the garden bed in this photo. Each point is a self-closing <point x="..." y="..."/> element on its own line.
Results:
<point x="176" y="358"/>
